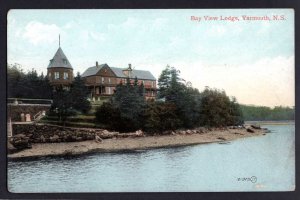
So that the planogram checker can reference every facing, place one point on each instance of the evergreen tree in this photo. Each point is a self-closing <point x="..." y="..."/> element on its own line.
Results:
<point x="160" y="116"/>
<point x="186" y="98"/>
<point x="62" y="104"/>
<point x="79" y="95"/>
<point x="129" y="101"/>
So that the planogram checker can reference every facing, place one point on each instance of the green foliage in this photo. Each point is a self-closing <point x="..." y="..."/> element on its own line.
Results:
<point x="126" y="107"/>
<point x="79" y="93"/>
<point x="179" y="106"/>
<point x="27" y="85"/>
<point x="186" y="99"/>
<point x="109" y="115"/>
<point x="62" y="104"/>
<point x="218" y="110"/>
<point x="261" y="113"/>
<point x="67" y="102"/>
<point x="160" y="116"/>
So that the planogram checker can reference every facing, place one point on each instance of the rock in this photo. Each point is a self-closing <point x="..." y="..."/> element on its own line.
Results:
<point x="139" y="133"/>
<point x="189" y="132"/>
<point x="21" y="144"/>
<point x="255" y="126"/>
<point x="20" y="136"/>
<point x="98" y="139"/>
<point x="11" y="148"/>
<point x="173" y="133"/>
<point x="250" y="130"/>
<point x="79" y="139"/>
<point x="54" y="138"/>
<point x="221" y="138"/>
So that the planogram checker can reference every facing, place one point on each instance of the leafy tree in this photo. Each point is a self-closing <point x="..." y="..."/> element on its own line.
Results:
<point x="160" y="116"/>
<point x="109" y="116"/>
<point x="218" y="110"/>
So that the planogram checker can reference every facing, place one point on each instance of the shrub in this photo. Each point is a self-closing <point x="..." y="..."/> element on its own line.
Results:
<point x="160" y="116"/>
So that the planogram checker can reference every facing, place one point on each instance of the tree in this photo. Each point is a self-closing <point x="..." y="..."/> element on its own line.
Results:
<point x="186" y="99"/>
<point x="27" y="85"/>
<point x="79" y="95"/>
<point x="218" y="110"/>
<point x="160" y="116"/>
<point x="67" y="102"/>
<point x="62" y="104"/>
<point x="109" y="116"/>
<point x="14" y="76"/>
<point x="129" y="100"/>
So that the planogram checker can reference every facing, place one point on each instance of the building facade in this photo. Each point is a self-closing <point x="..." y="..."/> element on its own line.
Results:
<point x="60" y="70"/>
<point x="103" y="79"/>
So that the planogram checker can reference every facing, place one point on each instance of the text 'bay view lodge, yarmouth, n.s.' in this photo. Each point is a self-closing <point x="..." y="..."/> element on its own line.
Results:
<point x="101" y="79"/>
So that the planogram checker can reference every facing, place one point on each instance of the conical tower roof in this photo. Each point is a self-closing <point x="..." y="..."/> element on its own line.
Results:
<point x="60" y="60"/>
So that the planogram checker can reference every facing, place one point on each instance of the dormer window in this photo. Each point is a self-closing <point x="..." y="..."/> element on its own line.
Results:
<point x="65" y="61"/>
<point x="51" y="61"/>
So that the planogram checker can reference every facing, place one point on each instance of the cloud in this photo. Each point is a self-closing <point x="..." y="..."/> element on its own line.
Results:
<point x="37" y="33"/>
<point x="99" y="37"/>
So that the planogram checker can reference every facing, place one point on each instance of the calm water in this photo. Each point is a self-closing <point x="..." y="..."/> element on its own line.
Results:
<point x="269" y="160"/>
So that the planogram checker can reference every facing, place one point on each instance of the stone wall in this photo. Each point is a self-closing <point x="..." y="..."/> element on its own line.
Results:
<point x="14" y="111"/>
<point x="42" y="133"/>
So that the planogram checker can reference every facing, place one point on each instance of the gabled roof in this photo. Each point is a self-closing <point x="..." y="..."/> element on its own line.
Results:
<point x="140" y="74"/>
<point x="60" y="60"/>
<point x="92" y="70"/>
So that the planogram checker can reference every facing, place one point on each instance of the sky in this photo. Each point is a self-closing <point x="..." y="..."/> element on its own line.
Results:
<point x="252" y="60"/>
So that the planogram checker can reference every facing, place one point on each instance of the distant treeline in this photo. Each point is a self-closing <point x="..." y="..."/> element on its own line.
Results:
<point x="258" y="113"/>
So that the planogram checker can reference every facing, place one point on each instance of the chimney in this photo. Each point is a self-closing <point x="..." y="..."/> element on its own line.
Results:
<point x="129" y="66"/>
<point x="96" y="63"/>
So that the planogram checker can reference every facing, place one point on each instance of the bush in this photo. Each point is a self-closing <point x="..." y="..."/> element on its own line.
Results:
<point x="109" y="115"/>
<point x="218" y="110"/>
<point x="160" y="116"/>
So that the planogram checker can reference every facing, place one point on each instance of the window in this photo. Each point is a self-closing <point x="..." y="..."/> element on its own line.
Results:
<point x="66" y="75"/>
<point x="109" y="80"/>
<point x="109" y="90"/>
<point x="102" y="79"/>
<point x="65" y="61"/>
<point x="97" y="90"/>
<point x="153" y="84"/>
<point x="56" y="75"/>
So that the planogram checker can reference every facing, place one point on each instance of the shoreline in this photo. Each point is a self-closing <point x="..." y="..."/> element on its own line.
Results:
<point x="137" y="144"/>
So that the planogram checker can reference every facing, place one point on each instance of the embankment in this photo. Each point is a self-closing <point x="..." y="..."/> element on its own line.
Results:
<point x="112" y="141"/>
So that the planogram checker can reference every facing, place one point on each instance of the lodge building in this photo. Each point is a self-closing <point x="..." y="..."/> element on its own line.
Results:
<point x="103" y="79"/>
<point x="100" y="79"/>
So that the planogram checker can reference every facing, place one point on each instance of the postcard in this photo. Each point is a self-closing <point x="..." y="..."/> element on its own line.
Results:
<point x="150" y="100"/>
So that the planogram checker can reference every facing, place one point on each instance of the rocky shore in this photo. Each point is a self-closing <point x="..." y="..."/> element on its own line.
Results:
<point x="75" y="141"/>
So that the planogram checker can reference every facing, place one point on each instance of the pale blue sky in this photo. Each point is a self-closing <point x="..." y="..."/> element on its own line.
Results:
<point x="252" y="60"/>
